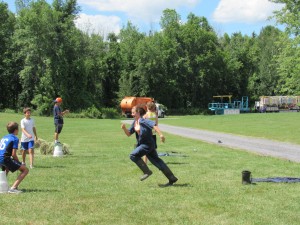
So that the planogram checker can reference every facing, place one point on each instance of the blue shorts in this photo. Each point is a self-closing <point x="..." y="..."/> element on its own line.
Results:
<point x="11" y="164"/>
<point x="27" y="145"/>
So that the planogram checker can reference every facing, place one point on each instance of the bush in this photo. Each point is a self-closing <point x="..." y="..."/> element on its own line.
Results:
<point x="9" y="111"/>
<point x="110" y="113"/>
<point x="92" y="112"/>
<point x="188" y="111"/>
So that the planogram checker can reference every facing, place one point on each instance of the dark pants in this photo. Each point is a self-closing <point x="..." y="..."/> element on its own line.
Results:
<point x="151" y="154"/>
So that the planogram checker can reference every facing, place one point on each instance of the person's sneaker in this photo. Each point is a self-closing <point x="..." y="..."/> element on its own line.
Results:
<point x="23" y="163"/>
<point x="146" y="175"/>
<point x="14" y="191"/>
<point x="31" y="166"/>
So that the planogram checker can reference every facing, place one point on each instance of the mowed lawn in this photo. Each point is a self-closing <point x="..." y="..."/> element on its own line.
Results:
<point x="98" y="184"/>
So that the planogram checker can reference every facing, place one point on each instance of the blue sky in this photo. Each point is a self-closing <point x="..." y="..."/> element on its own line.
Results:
<point x="226" y="16"/>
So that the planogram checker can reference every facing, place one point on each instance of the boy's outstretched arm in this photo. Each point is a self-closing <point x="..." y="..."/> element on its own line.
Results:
<point x="162" y="137"/>
<point x="123" y="126"/>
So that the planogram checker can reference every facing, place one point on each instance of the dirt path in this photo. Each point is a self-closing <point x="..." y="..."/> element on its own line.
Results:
<point x="261" y="146"/>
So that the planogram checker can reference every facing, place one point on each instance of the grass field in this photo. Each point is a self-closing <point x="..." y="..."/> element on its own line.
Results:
<point x="98" y="184"/>
<point x="275" y="126"/>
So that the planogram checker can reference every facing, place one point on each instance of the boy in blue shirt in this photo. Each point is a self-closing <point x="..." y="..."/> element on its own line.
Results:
<point x="8" y="156"/>
<point x="146" y="145"/>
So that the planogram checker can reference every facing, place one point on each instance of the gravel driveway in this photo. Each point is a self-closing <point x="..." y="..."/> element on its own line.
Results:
<point x="259" y="145"/>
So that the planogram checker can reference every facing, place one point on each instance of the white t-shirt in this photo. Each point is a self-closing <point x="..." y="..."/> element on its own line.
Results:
<point x="28" y="124"/>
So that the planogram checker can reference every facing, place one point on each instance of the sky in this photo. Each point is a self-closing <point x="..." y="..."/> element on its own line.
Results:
<point x="225" y="16"/>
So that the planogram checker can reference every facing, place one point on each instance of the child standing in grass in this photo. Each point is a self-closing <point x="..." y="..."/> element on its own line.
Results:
<point x="151" y="114"/>
<point x="8" y="156"/>
<point x="28" y="137"/>
<point x="146" y="146"/>
<point x="58" y="118"/>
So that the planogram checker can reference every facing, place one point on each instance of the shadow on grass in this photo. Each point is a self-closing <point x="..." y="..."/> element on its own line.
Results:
<point x="175" y="185"/>
<point x="49" y="167"/>
<point x="38" y="190"/>
<point x="176" y="163"/>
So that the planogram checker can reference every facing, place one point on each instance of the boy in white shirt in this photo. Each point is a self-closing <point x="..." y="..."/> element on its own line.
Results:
<point x="28" y="136"/>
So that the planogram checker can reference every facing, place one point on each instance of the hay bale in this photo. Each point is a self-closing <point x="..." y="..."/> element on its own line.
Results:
<point x="47" y="148"/>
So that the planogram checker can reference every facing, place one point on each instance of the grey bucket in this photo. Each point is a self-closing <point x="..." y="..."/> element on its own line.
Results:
<point x="246" y="177"/>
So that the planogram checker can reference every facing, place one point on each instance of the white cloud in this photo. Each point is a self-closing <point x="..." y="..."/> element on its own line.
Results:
<point x="244" y="11"/>
<point x="98" y="24"/>
<point x="146" y="11"/>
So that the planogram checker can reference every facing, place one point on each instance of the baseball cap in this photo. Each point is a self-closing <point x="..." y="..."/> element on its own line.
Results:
<point x="57" y="100"/>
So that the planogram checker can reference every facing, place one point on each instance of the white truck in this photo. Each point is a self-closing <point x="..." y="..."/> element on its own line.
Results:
<point x="160" y="110"/>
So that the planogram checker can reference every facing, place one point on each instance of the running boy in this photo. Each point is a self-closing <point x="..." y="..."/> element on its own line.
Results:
<point x="28" y="137"/>
<point x="146" y="146"/>
<point x="9" y="158"/>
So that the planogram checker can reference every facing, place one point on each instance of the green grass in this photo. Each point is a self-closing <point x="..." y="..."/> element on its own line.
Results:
<point x="98" y="184"/>
<point x="275" y="126"/>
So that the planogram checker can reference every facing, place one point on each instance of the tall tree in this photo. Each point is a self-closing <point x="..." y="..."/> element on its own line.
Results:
<point x="9" y="82"/>
<point x="112" y="71"/>
<point x="201" y="62"/>
<point x="241" y="55"/>
<point x="265" y="80"/>
<point x="288" y="59"/>
<point x="129" y="38"/>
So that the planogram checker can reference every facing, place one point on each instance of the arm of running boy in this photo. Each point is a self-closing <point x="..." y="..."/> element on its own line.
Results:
<point x="126" y="131"/>
<point x="162" y="137"/>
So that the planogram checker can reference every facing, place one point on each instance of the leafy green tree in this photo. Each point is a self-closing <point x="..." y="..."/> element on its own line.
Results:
<point x="129" y="38"/>
<point x="34" y="39"/>
<point x="9" y="82"/>
<point x="288" y="59"/>
<point x="52" y="49"/>
<point x="241" y="56"/>
<point x="94" y="69"/>
<point x="288" y="67"/>
<point x="265" y="80"/>
<point x="112" y="71"/>
<point x="201" y="62"/>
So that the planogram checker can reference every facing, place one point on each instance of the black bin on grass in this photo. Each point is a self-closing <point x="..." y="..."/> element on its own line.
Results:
<point x="246" y="177"/>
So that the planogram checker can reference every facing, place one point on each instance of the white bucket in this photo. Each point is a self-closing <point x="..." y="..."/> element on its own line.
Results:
<point x="58" y="150"/>
<point x="3" y="182"/>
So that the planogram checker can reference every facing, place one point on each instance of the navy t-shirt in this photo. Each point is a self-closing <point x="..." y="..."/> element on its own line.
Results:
<point x="7" y="144"/>
<point x="58" y="119"/>
<point x="145" y="136"/>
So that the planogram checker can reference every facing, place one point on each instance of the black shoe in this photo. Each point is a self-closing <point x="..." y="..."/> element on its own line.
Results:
<point x="172" y="181"/>
<point x="146" y="175"/>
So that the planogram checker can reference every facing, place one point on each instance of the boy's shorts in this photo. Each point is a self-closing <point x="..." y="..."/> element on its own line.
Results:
<point x="58" y="127"/>
<point x="27" y="145"/>
<point x="11" y="164"/>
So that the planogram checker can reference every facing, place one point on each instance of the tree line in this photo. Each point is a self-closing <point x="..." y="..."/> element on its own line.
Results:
<point x="43" y="55"/>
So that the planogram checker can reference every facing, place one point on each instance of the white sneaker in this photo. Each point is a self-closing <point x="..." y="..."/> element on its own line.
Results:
<point x="31" y="166"/>
<point x="23" y="163"/>
<point x="14" y="191"/>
